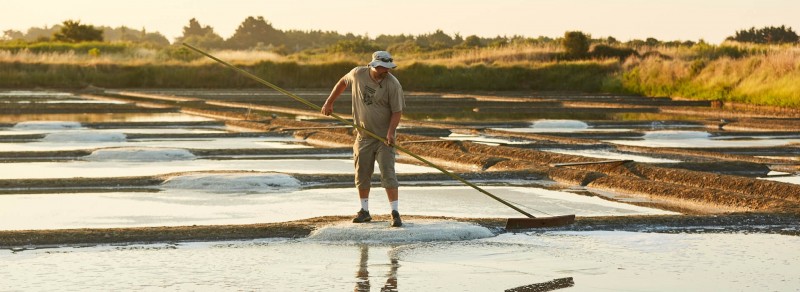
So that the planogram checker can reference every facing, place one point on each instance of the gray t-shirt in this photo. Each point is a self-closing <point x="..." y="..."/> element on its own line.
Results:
<point x="373" y="102"/>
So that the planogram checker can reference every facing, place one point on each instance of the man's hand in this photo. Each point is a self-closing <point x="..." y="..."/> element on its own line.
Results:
<point x="327" y="109"/>
<point x="390" y="139"/>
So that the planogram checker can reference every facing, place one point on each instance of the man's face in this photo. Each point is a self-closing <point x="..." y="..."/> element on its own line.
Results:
<point x="382" y="71"/>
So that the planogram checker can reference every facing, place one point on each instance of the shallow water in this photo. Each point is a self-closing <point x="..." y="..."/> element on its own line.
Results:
<point x="109" y="139"/>
<point x="105" y="117"/>
<point x="188" y="206"/>
<point x="595" y="261"/>
<point x="425" y="255"/>
<point x="146" y="168"/>
<point x="698" y="139"/>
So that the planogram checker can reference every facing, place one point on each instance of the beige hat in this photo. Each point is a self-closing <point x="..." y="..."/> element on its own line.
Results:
<point x="382" y="59"/>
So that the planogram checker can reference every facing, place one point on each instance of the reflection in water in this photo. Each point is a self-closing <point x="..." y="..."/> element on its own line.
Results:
<point x="546" y="286"/>
<point x="362" y="276"/>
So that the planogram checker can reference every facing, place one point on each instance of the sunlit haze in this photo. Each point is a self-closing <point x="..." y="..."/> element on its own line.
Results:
<point x="711" y="20"/>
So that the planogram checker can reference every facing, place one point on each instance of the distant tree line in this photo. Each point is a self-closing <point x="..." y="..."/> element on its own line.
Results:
<point x="72" y="31"/>
<point x="766" y="35"/>
<point x="256" y="33"/>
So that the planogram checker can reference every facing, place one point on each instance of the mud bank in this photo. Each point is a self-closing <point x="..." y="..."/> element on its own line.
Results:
<point x="736" y="222"/>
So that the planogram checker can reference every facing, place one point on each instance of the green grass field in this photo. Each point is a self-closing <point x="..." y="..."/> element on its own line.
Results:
<point x="754" y="74"/>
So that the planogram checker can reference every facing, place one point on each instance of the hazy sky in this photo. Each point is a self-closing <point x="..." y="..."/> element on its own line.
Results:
<point x="712" y="20"/>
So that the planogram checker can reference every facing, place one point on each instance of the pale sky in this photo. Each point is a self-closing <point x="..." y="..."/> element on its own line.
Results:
<point x="711" y="20"/>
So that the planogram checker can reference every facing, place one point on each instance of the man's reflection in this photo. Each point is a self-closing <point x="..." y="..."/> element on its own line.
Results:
<point x="362" y="276"/>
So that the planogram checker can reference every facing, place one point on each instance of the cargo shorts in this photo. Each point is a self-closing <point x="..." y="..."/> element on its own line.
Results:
<point x="366" y="151"/>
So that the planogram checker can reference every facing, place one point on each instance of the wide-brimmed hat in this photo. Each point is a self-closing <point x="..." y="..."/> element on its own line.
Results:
<point x="382" y="59"/>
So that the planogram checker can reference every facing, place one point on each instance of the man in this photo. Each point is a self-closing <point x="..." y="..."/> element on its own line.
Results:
<point x="377" y="106"/>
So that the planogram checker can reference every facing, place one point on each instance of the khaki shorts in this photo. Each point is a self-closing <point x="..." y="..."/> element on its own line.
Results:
<point x="368" y="150"/>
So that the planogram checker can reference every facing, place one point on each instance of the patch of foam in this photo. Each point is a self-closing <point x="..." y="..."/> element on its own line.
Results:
<point x="560" y="124"/>
<point x="412" y="231"/>
<point x="234" y="182"/>
<point x="676" y="135"/>
<point x="47" y="125"/>
<point x="85" y="136"/>
<point x="140" y="154"/>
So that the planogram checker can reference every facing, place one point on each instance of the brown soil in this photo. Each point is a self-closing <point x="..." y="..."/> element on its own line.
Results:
<point x="733" y="222"/>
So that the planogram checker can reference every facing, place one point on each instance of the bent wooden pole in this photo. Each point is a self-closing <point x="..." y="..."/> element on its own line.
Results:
<point x="519" y="223"/>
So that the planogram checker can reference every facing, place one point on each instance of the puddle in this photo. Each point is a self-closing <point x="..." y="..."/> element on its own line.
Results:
<point x="794" y="179"/>
<point x="109" y="117"/>
<point x="185" y="202"/>
<point x="147" y="168"/>
<point x="586" y="261"/>
<point x="698" y="139"/>
<point x="94" y="140"/>
<point x="558" y="126"/>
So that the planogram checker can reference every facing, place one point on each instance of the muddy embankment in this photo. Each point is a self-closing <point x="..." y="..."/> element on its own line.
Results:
<point x="727" y="223"/>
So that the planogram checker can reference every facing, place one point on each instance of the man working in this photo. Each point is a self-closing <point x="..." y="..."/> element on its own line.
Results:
<point x="377" y="106"/>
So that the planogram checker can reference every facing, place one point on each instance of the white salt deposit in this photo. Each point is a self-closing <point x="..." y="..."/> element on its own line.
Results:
<point x="413" y="231"/>
<point x="84" y="136"/>
<point x="140" y="154"/>
<point x="612" y="155"/>
<point x="234" y="182"/>
<point x="482" y="139"/>
<point x="676" y="135"/>
<point x="46" y="125"/>
<point x="560" y="125"/>
<point x="34" y="94"/>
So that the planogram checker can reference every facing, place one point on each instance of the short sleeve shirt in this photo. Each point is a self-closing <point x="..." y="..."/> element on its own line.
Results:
<point x="374" y="102"/>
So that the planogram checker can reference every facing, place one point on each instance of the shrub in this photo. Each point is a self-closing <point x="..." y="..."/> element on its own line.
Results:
<point x="575" y="43"/>
<point x="605" y="51"/>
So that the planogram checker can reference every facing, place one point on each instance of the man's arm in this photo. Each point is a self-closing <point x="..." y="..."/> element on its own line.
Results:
<point x="327" y="108"/>
<point x="394" y="121"/>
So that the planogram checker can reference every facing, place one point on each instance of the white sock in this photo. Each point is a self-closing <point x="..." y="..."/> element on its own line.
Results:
<point x="365" y="204"/>
<point x="394" y="205"/>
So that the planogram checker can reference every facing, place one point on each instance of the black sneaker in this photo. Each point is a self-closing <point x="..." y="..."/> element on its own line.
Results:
<point x="396" y="222"/>
<point x="363" y="216"/>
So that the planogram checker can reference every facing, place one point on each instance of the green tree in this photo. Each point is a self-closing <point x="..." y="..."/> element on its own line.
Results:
<point x="201" y="36"/>
<point x="437" y="40"/>
<point x="472" y="41"/>
<point x="766" y="35"/>
<point x="575" y="43"/>
<point x="12" y="35"/>
<point x="255" y="32"/>
<point x="75" y="32"/>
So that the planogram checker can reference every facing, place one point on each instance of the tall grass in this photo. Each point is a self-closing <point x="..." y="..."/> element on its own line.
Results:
<point x="757" y="74"/>
<point x="770" y="77"/>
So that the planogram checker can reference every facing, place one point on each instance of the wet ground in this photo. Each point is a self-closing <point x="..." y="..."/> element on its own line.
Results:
<point x="669" y="194"/>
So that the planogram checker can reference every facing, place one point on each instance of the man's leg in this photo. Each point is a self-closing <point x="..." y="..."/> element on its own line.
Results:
<point x="363" y="194"/>
<point x="364" y="161"/>
<point x="363" y="214"/>
<point x="392" y="194"/>
<point x="386" y="161"/>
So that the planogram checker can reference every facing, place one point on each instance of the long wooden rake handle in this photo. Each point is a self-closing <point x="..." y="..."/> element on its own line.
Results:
<point x="362" y="129"/>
